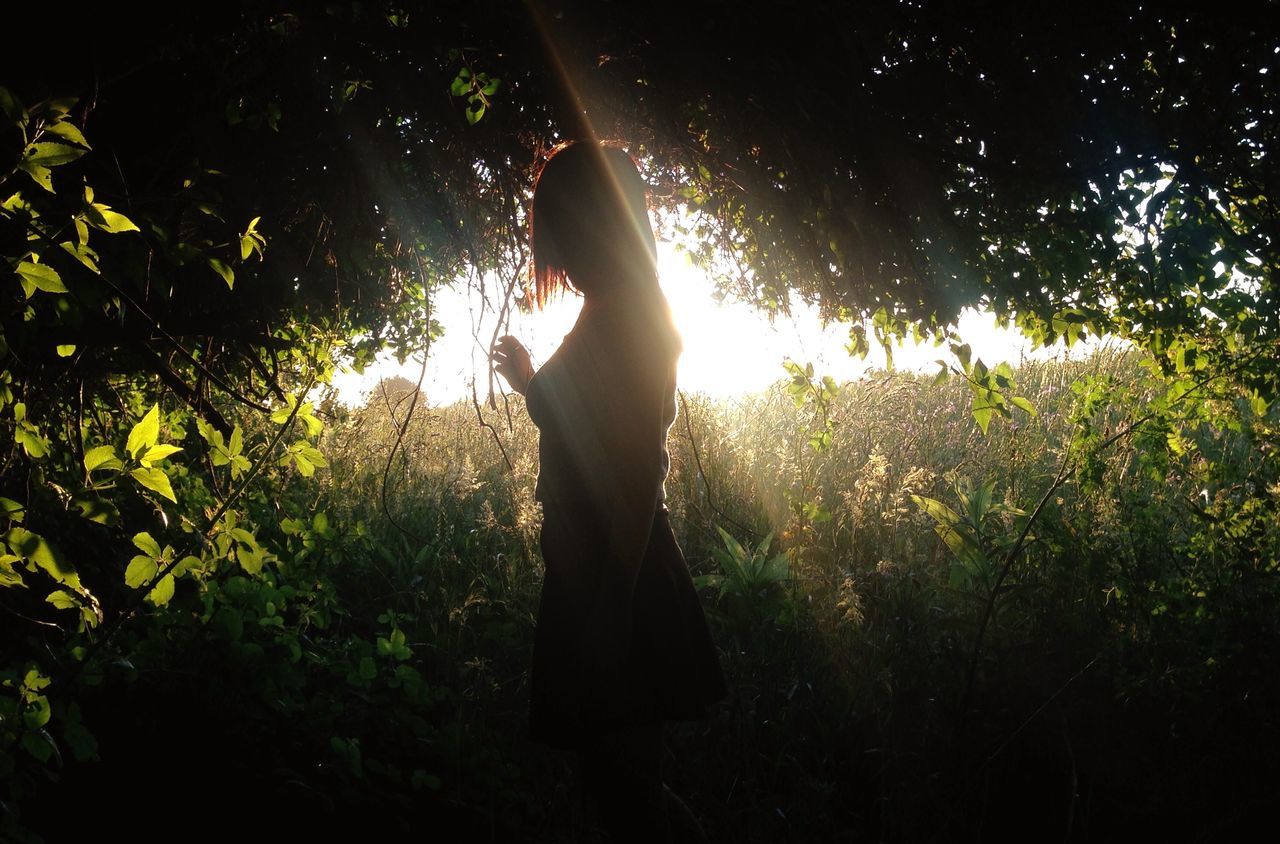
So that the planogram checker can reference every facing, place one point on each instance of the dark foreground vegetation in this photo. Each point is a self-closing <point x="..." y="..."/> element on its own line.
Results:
<point x="1036" y="604"/>
<point x="371" y="675"/>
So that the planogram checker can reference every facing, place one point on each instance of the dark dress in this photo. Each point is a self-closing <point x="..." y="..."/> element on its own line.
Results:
<point x="603" y="404"/>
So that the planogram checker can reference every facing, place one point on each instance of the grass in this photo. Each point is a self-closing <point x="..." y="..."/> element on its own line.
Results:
<point x="374" y="679"/>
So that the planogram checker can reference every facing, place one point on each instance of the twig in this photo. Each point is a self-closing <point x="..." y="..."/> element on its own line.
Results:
<point x="706" y="483"/>
<point x="403" y="427"/>
<point x="484" y="423"/>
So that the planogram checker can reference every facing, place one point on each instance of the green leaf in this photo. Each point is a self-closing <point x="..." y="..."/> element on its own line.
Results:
<point x="159" y="452"/>
<point x="49" y="154"/>
<point x="10" y="576"/>
<point x="68" y="131"/>
<point x="156" y="481"/>
<point x="246" y="247"/>
<point x="221" y="268"/>
<point x="101" y="457"/>
<point x="162" y="593"/>
<point x="368" y="669"/>
<point x="109" y="221"/>
<point x="461" y="83"/>
<point x="1020" y="402"/>
<point x="63" y="600"/>
<point x="982" y="415"/>
<point x="145" y="433"/>
<point x="65" y="351"/>
<point x="12" y="509"/>
<point x="42" y="175"/>
<point x="97" y="509"/>
<point x="82" y="253"/>
<point x="38" y="550"/>
<point x="140" y="571"/>
<point x="39" y="277"/>
<point x="37" y="713"/>
<point x="145" y="543"/>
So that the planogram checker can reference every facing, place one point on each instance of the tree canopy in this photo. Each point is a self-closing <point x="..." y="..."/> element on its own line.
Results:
<point x="1100" y="169"/>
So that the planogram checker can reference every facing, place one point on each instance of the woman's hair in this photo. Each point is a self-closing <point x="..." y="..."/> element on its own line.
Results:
<point x="589" y="222"/>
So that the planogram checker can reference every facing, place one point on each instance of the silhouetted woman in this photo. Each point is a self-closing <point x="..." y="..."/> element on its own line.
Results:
<point x="621" y="641"/>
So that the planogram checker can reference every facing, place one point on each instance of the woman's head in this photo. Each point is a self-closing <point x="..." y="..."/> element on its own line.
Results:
<point x="590" y="223"/>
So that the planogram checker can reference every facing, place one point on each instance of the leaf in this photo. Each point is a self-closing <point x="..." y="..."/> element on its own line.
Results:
<point x="461" y="83"/>
<point x="163" y="591"/>
<point x="42" y="175"/>
<point x="246" y="247"/>
<point x="940" y="512"/>
<point x="97" y="509"/>
<point x="221" y="268"/>
<point x="63" y="600"/>
<point x="101" y="457"/>
<point x="156" y="481"/>
<point x="112" y="222"/>
<point x="145" y="543"/>
<point x="251" y="558"/>
<point x="65" y="351"/>
<point x="368" y="668"/>
<point x="159" y="452"/>
<point x="37" y="713"/>
<point x="145" y="433"/>
<point x="1020" y="402"/>
<point x="50" y="154"/>
<point x="38" y="550"/>
<point x="68" y="131"/>
<point x="140" y="571"/>
<point x="12" y="509"/>
<point x="39" y="277"/>
<point x="9" y="576"/>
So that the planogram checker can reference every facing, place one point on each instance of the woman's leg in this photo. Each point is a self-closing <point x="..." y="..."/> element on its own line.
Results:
<point x="621" y="775"/>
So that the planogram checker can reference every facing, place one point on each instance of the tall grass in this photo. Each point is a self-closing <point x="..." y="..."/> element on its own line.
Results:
<point x="863" y="702"/>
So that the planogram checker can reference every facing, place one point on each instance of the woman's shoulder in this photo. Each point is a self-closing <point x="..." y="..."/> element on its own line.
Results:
<point x="636" y="326"/>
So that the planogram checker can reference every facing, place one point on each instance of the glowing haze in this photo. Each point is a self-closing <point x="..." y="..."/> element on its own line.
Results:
<point x="730" y="348"/>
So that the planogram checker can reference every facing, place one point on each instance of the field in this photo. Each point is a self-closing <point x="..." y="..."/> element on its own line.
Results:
<point x="911" y="656"/>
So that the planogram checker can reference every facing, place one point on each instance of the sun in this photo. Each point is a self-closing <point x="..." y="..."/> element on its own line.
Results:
<point x="730" y="348"/>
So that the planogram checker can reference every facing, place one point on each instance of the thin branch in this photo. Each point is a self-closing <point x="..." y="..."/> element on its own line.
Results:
<point x="706" y="483"/>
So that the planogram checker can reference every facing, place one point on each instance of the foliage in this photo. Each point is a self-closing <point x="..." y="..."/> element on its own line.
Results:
<point x="202" y="214"/>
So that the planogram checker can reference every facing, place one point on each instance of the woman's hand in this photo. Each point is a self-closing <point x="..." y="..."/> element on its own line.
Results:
<point x="511" y="361"/>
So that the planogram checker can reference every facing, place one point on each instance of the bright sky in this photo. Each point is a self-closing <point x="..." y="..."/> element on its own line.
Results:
<point x="729" y="348"/>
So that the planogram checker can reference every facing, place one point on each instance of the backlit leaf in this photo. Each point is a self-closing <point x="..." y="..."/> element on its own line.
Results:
<point x="40" y="277"/>
<point x="159" y="452"/>
<point x="101" y="457"/>
<point x="156" y="481"/>
<point x="147" y="544"/>
<point x="163" y="591"/>
<point x="145" y="433"/>
<point x="221" y="268"/>
<point x="113" y="222"/>
<point x="49" y="154"/>
<point x="140" y="571"/>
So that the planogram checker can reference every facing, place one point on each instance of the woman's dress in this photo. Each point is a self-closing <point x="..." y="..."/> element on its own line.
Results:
<point x="603" y="404"/>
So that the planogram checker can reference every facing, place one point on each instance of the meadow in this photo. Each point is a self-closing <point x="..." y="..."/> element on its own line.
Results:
<point x="1062" y="628"/>
<point x="908" y="659"/>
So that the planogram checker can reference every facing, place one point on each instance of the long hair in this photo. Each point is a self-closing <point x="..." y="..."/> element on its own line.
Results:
<point x="589" y="220"/>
